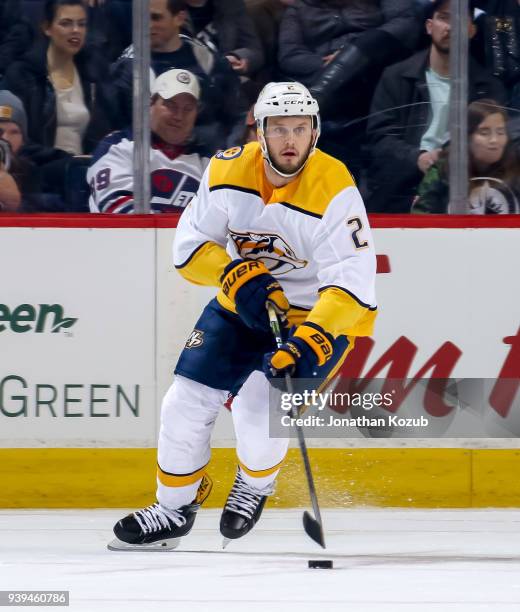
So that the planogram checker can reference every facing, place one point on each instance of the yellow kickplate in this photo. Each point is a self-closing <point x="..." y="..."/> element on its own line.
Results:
<point x="496" y="478"/>
<point x="411" y="477"/>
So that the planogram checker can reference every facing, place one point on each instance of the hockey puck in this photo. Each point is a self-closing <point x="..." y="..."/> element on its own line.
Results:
<point x="321" y="564"/>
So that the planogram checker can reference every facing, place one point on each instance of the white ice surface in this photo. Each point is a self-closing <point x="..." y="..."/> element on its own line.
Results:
<point x="384" y="561"/>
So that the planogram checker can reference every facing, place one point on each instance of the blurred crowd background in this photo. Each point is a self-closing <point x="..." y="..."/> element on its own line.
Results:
<point x="380" y="70"/>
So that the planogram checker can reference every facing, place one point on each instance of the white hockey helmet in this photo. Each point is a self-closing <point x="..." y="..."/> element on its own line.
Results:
<point x="285" y="99"/>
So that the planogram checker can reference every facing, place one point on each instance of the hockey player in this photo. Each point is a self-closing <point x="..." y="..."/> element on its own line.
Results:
<point x="279" y="221"/>
<point x="176" y="162"/>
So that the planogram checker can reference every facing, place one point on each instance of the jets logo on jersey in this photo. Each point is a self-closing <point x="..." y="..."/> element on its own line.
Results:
<point x="172" y="188"/>
<point x="230" y="153"/>
<point x="271" y="249"/>
<point x="195" y="340"/>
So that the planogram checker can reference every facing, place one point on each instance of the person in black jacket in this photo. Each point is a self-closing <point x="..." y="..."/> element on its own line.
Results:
<point x="64" y="89"/>
<point x="61" y="84"/>
<point x="267" y="16"/>
<point x="16" y="34"/>
<point x="222" y="111"/>
<point x="408" y="123"/>
<point x="497" y="43"/>
<point x="227" y="27"/>
<point x="331" y="44"/>
<point x="338" y="48"/>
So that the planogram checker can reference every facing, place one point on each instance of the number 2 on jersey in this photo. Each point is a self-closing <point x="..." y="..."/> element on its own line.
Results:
<point x="358" y="227"/>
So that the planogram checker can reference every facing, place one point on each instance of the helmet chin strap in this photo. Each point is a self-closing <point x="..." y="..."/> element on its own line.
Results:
<point x="267" y="157"/>
<point x="283" y="174"/>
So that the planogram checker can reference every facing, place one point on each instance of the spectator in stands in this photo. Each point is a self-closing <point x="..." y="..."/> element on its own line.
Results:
<point x="338" y="49"/>
<point x="119" y="15"/>
<point x="176" y="162"/>
<point x="266" y="16"/>
<point x="16" y="34"/>
<point x="408" y="121"/>
<point x="331" y="44"/>
<point x="61" y="85"/>
<point x="64" y="88"/>
<point x="19" y="184"/>
<point x="222" y="110"/>
<point x="497" y="43"/>
<point x="494" y="186"/>
<point x="251" y="91"/>
<point x="110" y="26"/>
<point x="227" y="28"/>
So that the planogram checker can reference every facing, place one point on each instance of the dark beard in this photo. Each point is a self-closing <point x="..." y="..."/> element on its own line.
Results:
<point x="441" y="50"/>
<point x="277" y="167"/>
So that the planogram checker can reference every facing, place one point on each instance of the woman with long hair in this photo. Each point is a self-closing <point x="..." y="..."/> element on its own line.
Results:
<point x="494" y="186"/>
<point x="64" y="88"/>
<point x="61" y="82"/>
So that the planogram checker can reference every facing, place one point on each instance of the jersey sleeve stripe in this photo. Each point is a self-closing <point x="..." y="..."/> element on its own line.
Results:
<point x="117" y="203"/>
<point x="124" y="208"/>
<point x="187" y="261"/>
<point x="108" y="200"/>
<point x="352" y="295"/>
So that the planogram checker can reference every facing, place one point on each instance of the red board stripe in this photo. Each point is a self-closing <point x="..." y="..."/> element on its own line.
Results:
<point x="171" y="220"/>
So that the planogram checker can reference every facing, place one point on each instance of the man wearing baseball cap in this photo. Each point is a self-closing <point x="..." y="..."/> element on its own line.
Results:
<point x="176" y="162"/>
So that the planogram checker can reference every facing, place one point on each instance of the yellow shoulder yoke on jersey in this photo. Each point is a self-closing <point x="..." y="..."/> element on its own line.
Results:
<point x="310" y="192"/>
<point x="235" y="167"/>
<point x="320" y="182"/>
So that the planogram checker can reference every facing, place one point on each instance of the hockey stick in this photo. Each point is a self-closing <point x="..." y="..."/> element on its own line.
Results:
<point x="313" y="526"/>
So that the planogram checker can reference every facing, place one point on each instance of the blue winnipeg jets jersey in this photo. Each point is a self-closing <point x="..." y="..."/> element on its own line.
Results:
<point x="312" y="234"/>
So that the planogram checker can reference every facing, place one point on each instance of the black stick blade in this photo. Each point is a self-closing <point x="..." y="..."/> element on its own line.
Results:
<point x="313" y="529"/>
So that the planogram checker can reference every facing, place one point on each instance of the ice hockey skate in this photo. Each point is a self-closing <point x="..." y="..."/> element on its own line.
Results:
<point x="157" y="528"/>
<point x="243" y="508"/>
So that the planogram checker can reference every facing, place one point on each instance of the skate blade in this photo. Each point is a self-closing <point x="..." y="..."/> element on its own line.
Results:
<point x="225" y="542"/>
<point x="159" y="546"/>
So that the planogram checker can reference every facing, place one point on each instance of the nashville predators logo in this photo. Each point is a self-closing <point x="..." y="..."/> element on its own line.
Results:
<point x="271" y="249"/>
<point x="196" y="339"/>
<point x="232" y="153"/>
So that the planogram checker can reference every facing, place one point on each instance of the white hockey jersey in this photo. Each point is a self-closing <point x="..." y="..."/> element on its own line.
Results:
<point x="174" y="178"/>
<point x="312" y="234"/>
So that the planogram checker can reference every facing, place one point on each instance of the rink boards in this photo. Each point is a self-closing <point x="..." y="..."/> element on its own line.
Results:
<point x="405" y="477"/>
<point x="93" y="316"/>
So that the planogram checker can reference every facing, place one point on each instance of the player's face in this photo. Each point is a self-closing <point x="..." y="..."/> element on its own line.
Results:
<point x="163" y="25"/>
<point x="173" y="119"/>
<point x="289" y="140"/>
<point x="488" y="142"/>
<point x="68" y="29"/>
